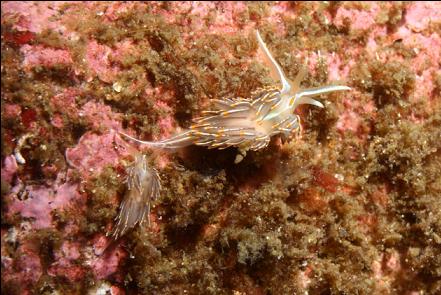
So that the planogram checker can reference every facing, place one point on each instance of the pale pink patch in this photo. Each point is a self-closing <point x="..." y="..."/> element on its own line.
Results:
<point x="116" y="9"/>
<point x="163" y="106"/>
<point x="27" y="268"/>
<point x="386" y="269"/>
<point x="9" y="168"/>
<point x="210" y="230"/>
<point x="423" y="86"/>
<point x="33" y="16"/>
<point x="57" y="121"/>
<point x="176" y="8"/>
<point x="71" y="228"/>
<point x="336" y="69"/>
<point x="304" y="277"/>
<point x="328" y="16"/>
<point x="225" y="15"/>
<point x="359" y="19"/>
<point x="313" y="59"/>
<point x="114" y="290"/>
<point x="123" y="49"/>
<point x="63" y="268"/>
<point x="97" y="57"/>
<point x="37" y="55"/>
<point x="64" y="265"/>
<point x="162" y="161"/>
<point x="65" y="101"/>
<point x="69" y="250"/>
<point x="278" y="12"/>
<point x="99" y="115"/>
<point x="155" y="222"/>
<point x="393" y="262"/>
<point x="100" y="243"/>
<point x="166" y="127"/>
<point x="94" y="152"/>
<point x="376" y="33"/>
<point x="162" y="96"/>
<point x="376" y="269"/>
<point x="380" y="196"/>
<point x="65" y="105"/>
<point x="11" y="110"/>
<point x="420" y="14"/>
<point x="41" y="201"/>
<point x="105" y="264"/>
<point x="367" y="222"/>
<point x="348" y="121"/>
<point x="166" y="123"/>
<point x="428" y="48"/>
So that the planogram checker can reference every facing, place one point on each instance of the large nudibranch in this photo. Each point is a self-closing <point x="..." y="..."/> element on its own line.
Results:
<point x="249" y="123"/>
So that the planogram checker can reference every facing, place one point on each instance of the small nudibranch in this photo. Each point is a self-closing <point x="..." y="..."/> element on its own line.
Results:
<point x="249" y="123"/>
<point x="143" y="187"/>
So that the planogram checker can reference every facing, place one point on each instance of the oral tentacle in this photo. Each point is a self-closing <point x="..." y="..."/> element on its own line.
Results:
<point x="308" y="100"/>
<point x="321" y="90"/>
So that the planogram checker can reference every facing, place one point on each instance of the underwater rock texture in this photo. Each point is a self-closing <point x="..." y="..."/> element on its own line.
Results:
<point x="352" y="206"/>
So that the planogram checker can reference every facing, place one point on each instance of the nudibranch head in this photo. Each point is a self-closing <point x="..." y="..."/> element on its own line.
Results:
<point x="290" y="91"/>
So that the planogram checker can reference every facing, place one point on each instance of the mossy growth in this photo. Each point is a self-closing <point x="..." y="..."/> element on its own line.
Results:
<point x="102" y="192"/>
<point x="156" y="60"/>
<point x="390" y="83"/>
<point x="393" y="16"/>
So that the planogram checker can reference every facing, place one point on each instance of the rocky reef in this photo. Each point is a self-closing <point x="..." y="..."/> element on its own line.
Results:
<point x="351" y="206"/>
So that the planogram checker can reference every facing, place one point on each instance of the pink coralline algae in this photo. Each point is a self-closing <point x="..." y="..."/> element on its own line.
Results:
<point x="105" y="263"/>
<point x="358" y="19"/>
<point x="33" y="17"/>
<point x="421" y="14"/>
<point x="94" y="152"/>
<point x="39" y="203"/>
<point x="29" y="266"/>
<point x="66" y="262"/>
<point x="99" y="115"/>
<point x="44" y="57"/>
<point x="9" y="168"/>
<point x="98" y="62"/>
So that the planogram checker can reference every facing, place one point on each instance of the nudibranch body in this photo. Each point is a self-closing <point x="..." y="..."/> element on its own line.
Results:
<point x="249" y="123"/>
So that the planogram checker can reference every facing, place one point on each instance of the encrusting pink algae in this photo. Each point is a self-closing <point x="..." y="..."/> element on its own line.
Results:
<point x="348" y="205"/>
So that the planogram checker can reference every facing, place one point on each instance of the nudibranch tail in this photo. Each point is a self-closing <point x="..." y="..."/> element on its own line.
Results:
<point x="180" y="140"/>
<point x="143" y="187"/>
